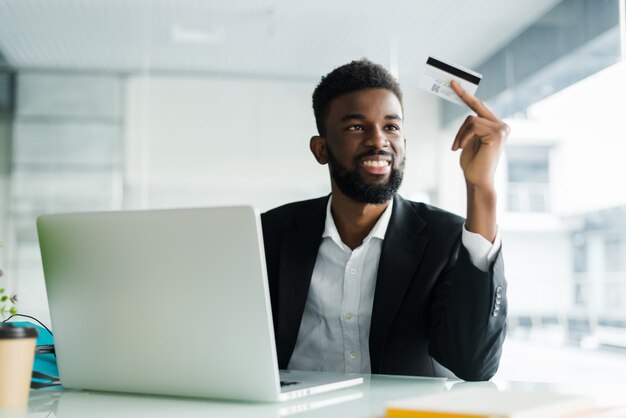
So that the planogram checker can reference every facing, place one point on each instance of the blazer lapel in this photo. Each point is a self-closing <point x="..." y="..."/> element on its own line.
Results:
<point x="401" y="254"/>
<point x="297" y="259"/>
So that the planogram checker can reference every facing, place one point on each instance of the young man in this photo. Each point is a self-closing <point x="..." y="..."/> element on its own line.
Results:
<point x="366" y="281"/>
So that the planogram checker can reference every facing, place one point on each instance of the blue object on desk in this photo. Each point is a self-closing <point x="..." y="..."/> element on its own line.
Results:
<point x="44" y="363"/>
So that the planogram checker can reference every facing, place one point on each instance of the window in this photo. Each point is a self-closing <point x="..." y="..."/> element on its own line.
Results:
<point x="528" y="178"/>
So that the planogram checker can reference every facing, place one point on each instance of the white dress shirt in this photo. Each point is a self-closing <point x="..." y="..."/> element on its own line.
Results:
<point x="335" y="328"/>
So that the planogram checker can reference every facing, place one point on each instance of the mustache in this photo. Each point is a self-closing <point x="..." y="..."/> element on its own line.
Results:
<point x="373" y="152"/>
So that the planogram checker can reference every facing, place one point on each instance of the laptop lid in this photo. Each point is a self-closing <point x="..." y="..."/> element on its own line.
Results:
<point x="171" y="302"/>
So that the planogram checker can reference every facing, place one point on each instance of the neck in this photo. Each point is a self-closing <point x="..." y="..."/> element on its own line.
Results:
<point x="354" y="220"/>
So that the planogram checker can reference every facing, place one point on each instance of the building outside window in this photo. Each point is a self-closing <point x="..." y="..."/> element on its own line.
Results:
<point x="528" y="178"/>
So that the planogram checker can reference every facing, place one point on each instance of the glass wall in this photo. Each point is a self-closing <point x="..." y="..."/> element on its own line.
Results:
<point x="579" y="223"/>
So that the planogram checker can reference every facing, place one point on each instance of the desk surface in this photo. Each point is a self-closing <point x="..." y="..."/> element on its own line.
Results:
<point x="367" y="400"/>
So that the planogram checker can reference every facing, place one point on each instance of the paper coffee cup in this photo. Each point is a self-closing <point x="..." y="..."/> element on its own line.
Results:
<point x="17" y="354"/>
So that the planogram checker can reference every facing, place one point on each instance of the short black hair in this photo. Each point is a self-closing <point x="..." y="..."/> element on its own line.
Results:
<point x="357" y="75"/>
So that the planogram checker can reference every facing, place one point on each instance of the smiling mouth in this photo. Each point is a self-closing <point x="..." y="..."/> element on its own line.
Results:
<point x="375" y="163"/>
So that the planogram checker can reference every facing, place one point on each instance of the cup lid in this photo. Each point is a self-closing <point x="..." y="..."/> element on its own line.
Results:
<point x="11" y="331"/>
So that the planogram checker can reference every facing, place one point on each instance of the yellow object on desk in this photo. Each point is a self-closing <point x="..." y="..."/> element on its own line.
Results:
<point x="490" y="403"/>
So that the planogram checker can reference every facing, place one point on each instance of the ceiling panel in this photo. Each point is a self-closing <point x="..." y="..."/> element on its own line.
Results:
<point x="284" y="39"/>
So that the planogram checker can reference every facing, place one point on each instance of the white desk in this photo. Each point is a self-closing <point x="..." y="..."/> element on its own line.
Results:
<point x="367" y="400"/>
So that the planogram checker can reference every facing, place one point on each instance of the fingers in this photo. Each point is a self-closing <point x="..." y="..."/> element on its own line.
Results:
<point x="473" y="102"/>
<point x="484" y="129"/>
<point x="467" y="124"/>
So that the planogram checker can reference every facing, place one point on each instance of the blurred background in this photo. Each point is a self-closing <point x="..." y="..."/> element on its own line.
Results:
<point x="125" y="104"/>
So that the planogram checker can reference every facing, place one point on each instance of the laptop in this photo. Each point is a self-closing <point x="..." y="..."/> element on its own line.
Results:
<point x="167" y="302"/>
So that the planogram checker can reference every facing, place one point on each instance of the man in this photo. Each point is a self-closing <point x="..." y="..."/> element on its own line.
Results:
<point x="366" y="281"/>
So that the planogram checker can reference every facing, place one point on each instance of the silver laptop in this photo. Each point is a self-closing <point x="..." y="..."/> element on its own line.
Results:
<point x="168" y="302"/>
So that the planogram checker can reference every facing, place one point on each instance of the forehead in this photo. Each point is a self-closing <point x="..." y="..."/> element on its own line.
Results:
<point x="371" y="103"/>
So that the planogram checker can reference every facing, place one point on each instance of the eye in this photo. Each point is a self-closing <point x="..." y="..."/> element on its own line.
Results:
<point x="392" y="128"/>
<point x="357" y="127"/>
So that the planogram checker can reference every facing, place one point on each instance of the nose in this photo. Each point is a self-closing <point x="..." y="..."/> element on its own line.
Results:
<point x="377" y="139"/>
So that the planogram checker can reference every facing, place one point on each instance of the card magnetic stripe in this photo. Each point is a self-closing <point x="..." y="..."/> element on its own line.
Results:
<point x="453" y="70"/>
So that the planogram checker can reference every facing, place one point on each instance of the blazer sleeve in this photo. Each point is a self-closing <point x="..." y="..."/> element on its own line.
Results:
<point x="468" y="317"/>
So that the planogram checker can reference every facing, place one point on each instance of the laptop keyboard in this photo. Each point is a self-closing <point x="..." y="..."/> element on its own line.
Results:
<point x="286" y="383"/>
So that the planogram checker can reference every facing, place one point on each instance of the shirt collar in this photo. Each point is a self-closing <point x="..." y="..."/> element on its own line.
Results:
<point x="378" y="231"/>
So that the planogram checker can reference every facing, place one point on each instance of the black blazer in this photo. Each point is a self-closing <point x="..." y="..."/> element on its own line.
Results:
<point x="432" y="306"/>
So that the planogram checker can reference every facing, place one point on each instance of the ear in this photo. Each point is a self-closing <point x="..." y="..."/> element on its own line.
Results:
<point x="318" y="148"/>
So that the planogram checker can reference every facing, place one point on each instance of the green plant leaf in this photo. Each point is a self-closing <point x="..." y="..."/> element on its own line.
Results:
<point x="4" y="298"/>
<point x="12" y="311"/>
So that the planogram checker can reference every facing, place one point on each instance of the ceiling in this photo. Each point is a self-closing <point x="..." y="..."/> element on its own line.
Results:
<point x="283" y="39"/>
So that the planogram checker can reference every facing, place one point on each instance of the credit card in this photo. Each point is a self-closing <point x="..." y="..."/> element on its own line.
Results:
<point x="438" y="74"/>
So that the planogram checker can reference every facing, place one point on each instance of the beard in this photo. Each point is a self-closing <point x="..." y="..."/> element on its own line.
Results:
<point x="355" y="187"/>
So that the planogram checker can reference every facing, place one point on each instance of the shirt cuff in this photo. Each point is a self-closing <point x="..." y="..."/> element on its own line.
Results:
<point x="482" y="252"/>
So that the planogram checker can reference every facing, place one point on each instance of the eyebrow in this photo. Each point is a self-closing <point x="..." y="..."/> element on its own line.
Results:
<point x="359" y="116"/>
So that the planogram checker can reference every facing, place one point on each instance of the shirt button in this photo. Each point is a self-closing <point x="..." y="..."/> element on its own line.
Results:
<point x="352" y="270"/>
<point x="352" y="355"/>
<point x="348" y="316"/>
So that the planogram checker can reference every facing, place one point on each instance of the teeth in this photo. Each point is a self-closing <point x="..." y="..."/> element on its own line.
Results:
<point x="376" y="163"/>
